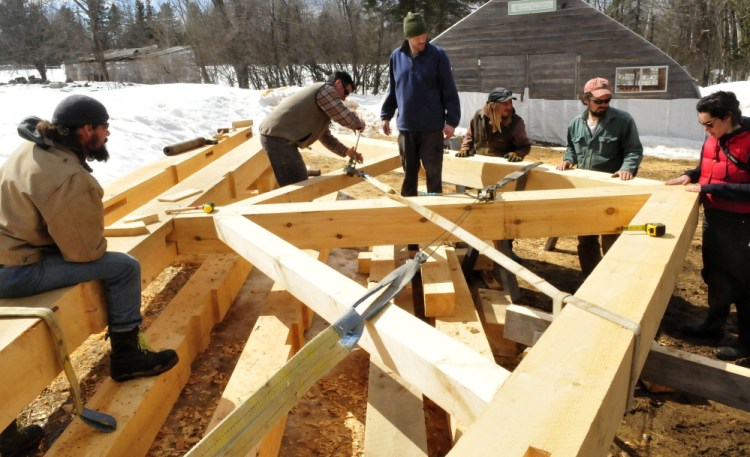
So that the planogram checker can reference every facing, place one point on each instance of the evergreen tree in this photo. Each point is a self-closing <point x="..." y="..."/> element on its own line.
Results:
<point x="166" y="28"/>
<point x="113" y="27"/>
<point x="139" y="31"/>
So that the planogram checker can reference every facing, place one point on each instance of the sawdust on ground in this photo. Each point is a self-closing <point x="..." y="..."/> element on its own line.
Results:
<point x="329" y="420"/>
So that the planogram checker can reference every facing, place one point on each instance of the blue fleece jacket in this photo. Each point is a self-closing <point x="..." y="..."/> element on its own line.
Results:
<point x="422" y="89"/>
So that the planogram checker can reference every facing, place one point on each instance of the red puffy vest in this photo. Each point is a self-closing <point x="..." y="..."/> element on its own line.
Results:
<point x="716" y="168"/>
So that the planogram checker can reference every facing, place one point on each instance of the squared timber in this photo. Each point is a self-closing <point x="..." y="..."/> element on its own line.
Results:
<point x="499" y="410"/>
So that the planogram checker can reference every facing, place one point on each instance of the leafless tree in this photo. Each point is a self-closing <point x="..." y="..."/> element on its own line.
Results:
<point x="94" y="11"/>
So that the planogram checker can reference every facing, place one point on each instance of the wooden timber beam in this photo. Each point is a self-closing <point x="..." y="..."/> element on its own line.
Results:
<point x="142" y="405"/>
<point x="347" y="223"/>
<point x="28" y="359"/>
<point x="481" y="171"/>
<point x="276" y="336"/>
<point x="724" y="382"/>
<point x="568" y="395"/>
<point x="327" y="183"/>
<point x="455" y="377"/>
<point x="465" y="324"/>
<point x="221" y="182"/>
<point x="130" y="192"/>
<point x="395" y="419"/>
<point x="438" y="289"/>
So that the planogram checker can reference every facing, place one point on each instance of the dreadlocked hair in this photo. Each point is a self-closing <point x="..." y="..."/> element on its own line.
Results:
<point x="62" y="135"/>
<point x="492" y="111"/>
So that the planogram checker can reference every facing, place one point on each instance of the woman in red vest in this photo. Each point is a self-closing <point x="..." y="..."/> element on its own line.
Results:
<point x="723" y="180"/>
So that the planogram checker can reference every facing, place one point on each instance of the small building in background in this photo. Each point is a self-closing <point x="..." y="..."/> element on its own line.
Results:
<point x="148" y="65"/>
<point x="546" y="50"/>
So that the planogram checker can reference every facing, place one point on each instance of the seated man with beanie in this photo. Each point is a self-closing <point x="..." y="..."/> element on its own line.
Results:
<point x="52" y="228"/>
<point x="496" y="130"/>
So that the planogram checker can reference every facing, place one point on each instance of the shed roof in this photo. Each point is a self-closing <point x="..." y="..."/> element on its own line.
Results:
<point x="554" y="53"/>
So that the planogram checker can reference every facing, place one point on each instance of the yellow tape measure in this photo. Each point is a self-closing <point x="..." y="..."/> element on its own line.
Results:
<point x="652" y="228"/>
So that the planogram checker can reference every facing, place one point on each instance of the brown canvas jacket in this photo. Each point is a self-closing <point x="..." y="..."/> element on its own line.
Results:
<point x="513" y="138"/>
<point x="49" y="202"/>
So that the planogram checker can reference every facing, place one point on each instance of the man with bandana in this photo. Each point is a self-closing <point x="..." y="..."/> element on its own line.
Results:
<point x="604" y="139"/>
<point x="496" y="130"/>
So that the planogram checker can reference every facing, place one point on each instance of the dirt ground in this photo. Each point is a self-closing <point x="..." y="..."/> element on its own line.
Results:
<point x="329" y="420"/>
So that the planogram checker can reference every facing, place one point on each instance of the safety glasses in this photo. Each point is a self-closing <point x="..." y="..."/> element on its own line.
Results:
<point x="708" y="124"/>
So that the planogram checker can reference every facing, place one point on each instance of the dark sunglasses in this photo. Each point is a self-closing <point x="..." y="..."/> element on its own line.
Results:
<point x="708" y="124"/>
<point x="346" y="92"/>
<point x="600" y="101"/>
<point x="105" y="125"/>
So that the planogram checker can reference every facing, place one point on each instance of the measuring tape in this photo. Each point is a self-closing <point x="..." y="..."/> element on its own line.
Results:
<point x="652" y="228"/>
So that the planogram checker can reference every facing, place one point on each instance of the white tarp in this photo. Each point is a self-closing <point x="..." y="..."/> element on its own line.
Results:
<point x="548" y="120"/>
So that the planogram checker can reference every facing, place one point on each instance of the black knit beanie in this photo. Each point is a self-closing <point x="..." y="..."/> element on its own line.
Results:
<point x="414" y="25"/>
<point x="77" y="110"/>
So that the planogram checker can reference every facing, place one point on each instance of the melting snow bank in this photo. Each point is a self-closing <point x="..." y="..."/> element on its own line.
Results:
<point x="671" y="148"/>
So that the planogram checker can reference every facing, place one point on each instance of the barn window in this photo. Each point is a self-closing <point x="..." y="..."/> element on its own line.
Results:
<point x="641" y="79"/>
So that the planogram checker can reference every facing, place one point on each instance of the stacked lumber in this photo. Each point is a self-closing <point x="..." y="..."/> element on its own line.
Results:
<point x="450" y="359"/>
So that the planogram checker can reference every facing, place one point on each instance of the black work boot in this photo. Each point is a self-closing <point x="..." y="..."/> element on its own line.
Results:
<point x="709" y="328"/>
<point x="15" y="442"/>
<point x="132" y="358"/>
<point x="732" y="352"/>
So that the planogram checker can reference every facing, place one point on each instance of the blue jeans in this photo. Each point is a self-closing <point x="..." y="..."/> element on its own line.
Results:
<point x="120" y="272"/>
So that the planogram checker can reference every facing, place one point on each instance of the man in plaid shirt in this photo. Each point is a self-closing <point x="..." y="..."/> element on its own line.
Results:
<point x="304" y="118"/>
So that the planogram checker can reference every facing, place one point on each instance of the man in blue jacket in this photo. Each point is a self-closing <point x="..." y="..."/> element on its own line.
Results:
<point x="423" y="91"/>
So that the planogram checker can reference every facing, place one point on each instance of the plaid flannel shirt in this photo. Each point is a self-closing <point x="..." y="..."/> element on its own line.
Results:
<point x="329" y="102"/>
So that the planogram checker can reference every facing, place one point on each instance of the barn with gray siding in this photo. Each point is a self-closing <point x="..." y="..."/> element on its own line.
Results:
<point x="553" y="53"/>
<point x="147" y="65"/>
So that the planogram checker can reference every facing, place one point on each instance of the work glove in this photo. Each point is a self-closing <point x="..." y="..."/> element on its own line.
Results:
<point x="464" y="153"/>
<point x="513" y="157"/>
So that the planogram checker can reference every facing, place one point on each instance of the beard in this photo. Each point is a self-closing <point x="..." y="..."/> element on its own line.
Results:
<point x="598" y="113"/>
<point x="100" y="153"/>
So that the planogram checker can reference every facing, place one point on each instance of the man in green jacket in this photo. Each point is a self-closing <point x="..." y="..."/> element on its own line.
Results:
<point x="604" y="139"/>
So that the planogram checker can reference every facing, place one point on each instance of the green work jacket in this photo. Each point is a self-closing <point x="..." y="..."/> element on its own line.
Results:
<point x="613" y="146"/>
